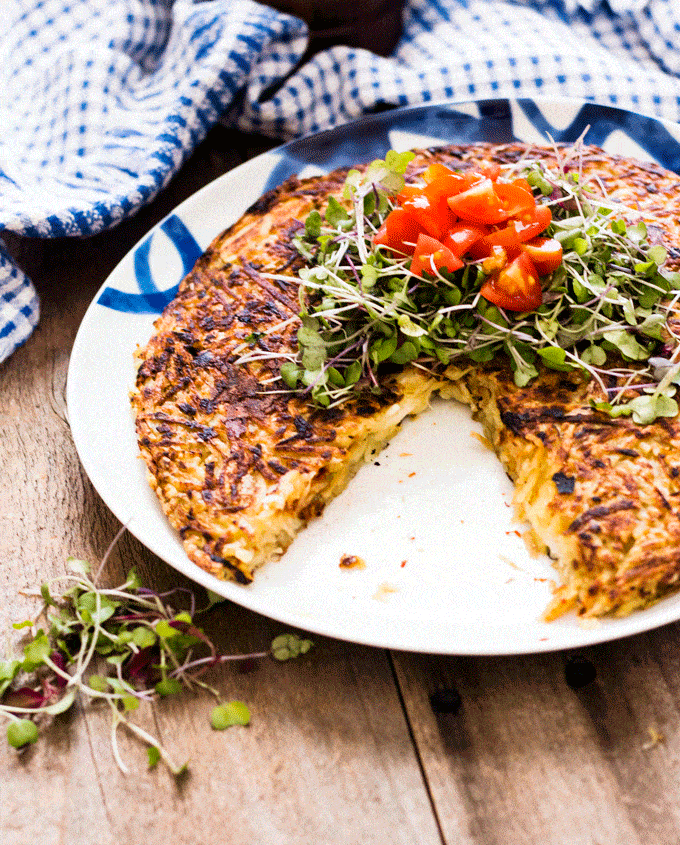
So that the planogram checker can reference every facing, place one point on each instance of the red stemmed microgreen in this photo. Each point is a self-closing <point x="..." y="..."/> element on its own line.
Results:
<point x="119" y="647"/>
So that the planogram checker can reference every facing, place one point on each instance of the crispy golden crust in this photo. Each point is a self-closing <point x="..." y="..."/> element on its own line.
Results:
<point x="239" y="469"/>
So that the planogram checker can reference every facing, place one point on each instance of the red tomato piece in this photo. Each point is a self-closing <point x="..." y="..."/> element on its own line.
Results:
<point x="461" y="236"/>
<point x="399" y="232"/>
<point x="427" y="213"/>
<point x="545" y="253"/>
<point x="479" y="204"/>
<point x="517" y="231"/>
<point x="408" y="192"/>
<point x="516" y="287"/>
<point x="451" y="184"/>
<point x="523" y="184"/>
<point x="533" y="223"/>
<point x="431" y="255"/>
<point x="515" y="199"/>
<point x="505" y="237"/>
<point x="431" y="211"/>
<point x="434" y="171"/>
<point x="429" y="205"/>
<point x="490" y="169"/>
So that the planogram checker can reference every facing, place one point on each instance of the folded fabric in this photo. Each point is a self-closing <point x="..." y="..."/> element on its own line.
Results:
<point x="102" y="102"/>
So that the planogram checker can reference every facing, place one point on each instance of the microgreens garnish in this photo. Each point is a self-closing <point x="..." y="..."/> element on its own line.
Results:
<point x="609" y="301"/>
<point x="120" y="647"/>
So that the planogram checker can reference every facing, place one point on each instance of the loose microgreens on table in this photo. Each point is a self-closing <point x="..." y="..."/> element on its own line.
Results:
<point x="610" y="299"/>
<point x="118" y="646"/>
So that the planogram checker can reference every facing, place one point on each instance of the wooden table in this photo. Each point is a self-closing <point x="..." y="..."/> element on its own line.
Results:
<point x="350" y="745"/>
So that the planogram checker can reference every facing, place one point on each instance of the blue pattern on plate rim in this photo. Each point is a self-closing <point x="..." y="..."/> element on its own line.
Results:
<point x="150" y="299"/>
<point x="368" y="139"/>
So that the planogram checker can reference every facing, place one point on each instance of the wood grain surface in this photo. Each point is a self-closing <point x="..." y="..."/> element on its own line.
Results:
<point x="350" y="745"/>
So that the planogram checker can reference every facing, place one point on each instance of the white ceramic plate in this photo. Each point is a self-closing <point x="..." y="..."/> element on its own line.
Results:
<point x="446" y="570"/>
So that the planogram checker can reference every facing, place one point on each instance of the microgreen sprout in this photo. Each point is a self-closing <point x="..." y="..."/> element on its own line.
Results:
<point x="231" y="713"/>
<point x="119" y="647"/>
<point x="605" y="309"/>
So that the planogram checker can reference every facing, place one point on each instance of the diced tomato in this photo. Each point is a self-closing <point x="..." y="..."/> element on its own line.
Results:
<point x="430" y="255"/>
<point x="545" y="253"/>
<point x="461" y="236"/>
<point x="479" y="204"/>
<point x="408" y="192"/>
<point x="522" y="183"/>
<point x="434" y="171"/>
<point x="515" y="199"/>
<point x="490" y="169"/>
<point x="446" y="183"/>
<point x="533" y="223"/>
<point x="451" y="184"/>
<point x="498" y="258"/>
<point x="483" y="170"/>
<point x="399" y="232"/>
<point x="517" y="231"/>
<point x="505" y="236"/>
<point x="470" y="214"/>
<point x="431" y="211"/>
<point x="516" y="287"/>
<point x="429" y="205"/>
<point x="427" y="213"/>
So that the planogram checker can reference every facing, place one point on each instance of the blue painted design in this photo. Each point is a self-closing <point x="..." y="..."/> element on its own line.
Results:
<point x="651" y="135"/>
<point x="143" y="268"/>
<point x="136" y="303"/>
<point x="341" y="147"/>
<point x="186" y="244"/>
<point x="150" y="299"/>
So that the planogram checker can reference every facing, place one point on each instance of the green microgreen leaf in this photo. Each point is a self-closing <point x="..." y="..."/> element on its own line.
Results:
<point x="168" y="686"/>
<point x="336" y="215"/>
<point x="594" y="355"/>
<point x="554" y="357"/>
<point x="523" y="371"/>
<point x="226" y="715"/>
<point x="353" y="373"/>
<point x="165" y="630"/>
<point x="626" y="344"/>
<point x="98" y="683"/>
<point x="409" y="328"/>
<point x="636" y="233"/>
<point x="21" y="733"/>
<point x="290" y="374"/>
<point x="78" y="567"/>
<point x="133" y="581"/>
<point x="36" y="652"/>
<point x="45" y="593"/>
<point x="96" y="608"/>
<point x="313" y="224"/>
<point x="287" y="646"/>
<point x="142" y="636"/>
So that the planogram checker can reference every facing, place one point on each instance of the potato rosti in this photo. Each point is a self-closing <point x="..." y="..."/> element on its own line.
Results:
<point x="240" y="462"/>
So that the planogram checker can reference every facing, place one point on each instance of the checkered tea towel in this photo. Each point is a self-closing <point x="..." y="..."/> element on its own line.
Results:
<point x="101" y="102"/>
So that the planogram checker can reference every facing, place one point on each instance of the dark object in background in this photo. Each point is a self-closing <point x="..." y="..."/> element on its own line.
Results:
<point x="446" y="700"/>
<point x="372" y="24"/>
<point x="579" y="672"/>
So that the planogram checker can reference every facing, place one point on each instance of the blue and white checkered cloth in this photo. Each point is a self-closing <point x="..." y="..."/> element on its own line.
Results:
<point x="101" y="102"/>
